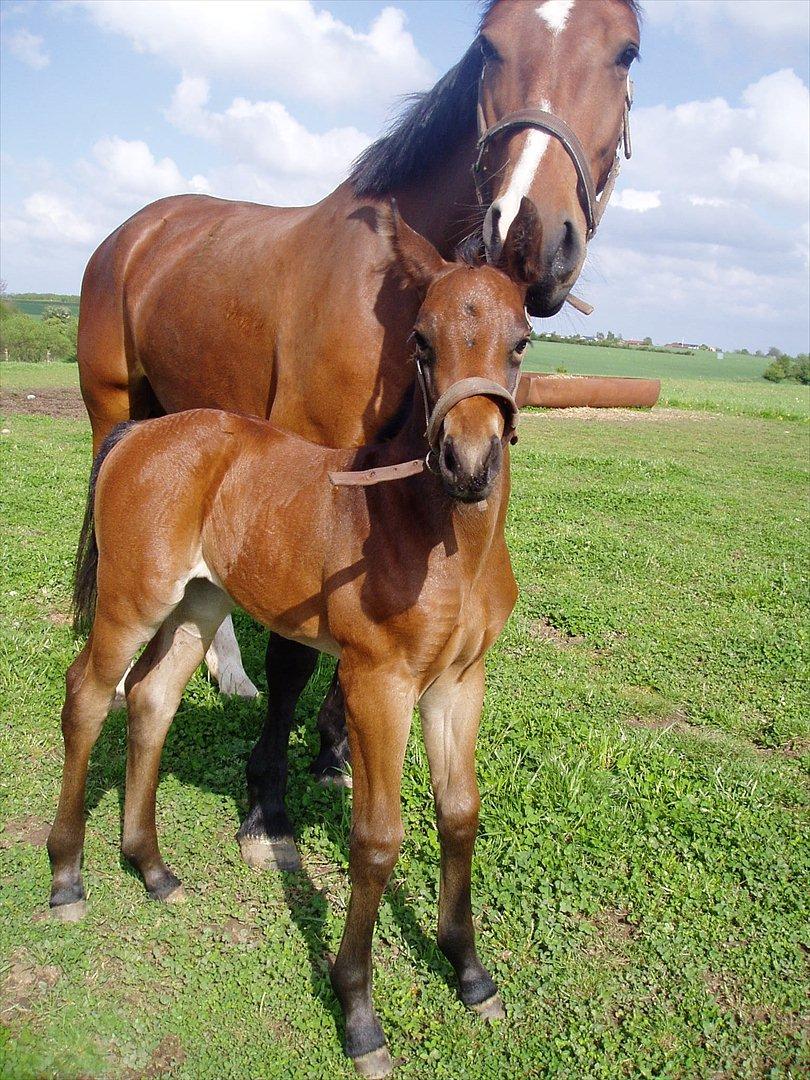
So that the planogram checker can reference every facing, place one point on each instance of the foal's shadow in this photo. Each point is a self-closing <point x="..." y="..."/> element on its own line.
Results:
<point x="207" y="747"/>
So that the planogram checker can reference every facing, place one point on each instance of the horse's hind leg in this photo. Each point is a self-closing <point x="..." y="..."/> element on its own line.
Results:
<point x="90" y="681"/>
<point x="266" y="837"/>
<point x="154" y="689"/>
<point x="224" y="661"/>
<point x="451" y="712"/>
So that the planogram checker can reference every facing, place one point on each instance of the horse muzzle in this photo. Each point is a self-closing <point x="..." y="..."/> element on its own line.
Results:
<point x="468" y="473"/>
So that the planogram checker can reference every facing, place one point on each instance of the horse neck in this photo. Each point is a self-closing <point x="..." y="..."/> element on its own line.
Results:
<point x="442" y="205"/>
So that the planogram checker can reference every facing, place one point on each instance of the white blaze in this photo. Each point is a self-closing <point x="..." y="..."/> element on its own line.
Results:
<point x="555" y="14"/>
<point x="506" y="207"/>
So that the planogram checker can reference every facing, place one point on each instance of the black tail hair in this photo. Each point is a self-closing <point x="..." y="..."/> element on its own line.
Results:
<point x="85" y="573"/>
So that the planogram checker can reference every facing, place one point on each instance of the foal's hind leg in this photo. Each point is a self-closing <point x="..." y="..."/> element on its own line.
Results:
<point x="266" y="836"/>
<point x="91" y="681"/>
<point x="154" y="689"/>
<point x="451" y="712"/>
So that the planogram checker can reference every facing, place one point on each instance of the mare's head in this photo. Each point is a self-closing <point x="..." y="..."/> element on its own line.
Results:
<point x="471" y="325"/>
<point x="570" y="58"/>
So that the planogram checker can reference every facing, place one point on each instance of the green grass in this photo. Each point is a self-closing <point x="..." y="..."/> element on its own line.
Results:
<point x="701" y="381"/>
<point x="17" y="376"/>
<point x="640" y="878"/>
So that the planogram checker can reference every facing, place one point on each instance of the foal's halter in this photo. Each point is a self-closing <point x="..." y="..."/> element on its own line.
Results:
<point x="593" y="205"/>
<point x="434" y="418"/>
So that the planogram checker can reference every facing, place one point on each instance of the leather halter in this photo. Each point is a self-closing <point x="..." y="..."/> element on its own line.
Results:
<point x="434" y="418"/>
<point x="593" y="205"/>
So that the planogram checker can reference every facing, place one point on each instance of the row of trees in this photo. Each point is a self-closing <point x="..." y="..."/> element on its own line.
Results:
<point x="29" y="340"/>
<point x="788" y="369"/>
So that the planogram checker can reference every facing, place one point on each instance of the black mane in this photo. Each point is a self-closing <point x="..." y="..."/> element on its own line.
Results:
<point x="431" y="126"/>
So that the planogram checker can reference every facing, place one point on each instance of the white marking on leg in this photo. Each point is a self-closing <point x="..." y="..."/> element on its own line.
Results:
<point x="225" y="663"/>
<point x="504" y="210"/>
<point x="554" y="14"/>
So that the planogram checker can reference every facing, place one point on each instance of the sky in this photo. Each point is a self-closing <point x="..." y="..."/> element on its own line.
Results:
<point x="110" y="104"/>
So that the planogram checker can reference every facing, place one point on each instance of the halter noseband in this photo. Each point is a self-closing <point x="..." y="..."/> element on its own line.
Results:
<point x="474" y="386"/>
<point x="593" y="205"/>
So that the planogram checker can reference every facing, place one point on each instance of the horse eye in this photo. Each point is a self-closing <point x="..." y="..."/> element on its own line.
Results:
<point x="491" y="54"/>
<point x="521" y="347"/>
<point x="627" y="57"/>
<point x="422" y="346"/>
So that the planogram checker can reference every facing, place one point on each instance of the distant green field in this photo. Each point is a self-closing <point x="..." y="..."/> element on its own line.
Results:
<point x="15" y="376"/>
<point x="35" y="307"/>
<point x="731" y="385"/>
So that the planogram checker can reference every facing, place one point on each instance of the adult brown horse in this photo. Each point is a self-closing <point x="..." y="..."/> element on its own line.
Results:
<point x="293" y="313"/>
<point x="409" y="583"/>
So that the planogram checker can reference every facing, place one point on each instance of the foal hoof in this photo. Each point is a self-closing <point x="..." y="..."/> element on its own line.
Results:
<point x="68" y="913"/>
<point x="491" y="1009"/>
<point x="176" y="896"/>
<point x="262" y="853"/>
<point x="376" y="1064"/>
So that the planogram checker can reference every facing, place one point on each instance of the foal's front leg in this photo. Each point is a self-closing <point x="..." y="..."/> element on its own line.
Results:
<point x="451" y="713"/>
<point x="378" y="713"/>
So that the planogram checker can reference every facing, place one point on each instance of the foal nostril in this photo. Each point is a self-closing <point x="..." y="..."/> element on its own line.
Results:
<point x="448" y="458"/>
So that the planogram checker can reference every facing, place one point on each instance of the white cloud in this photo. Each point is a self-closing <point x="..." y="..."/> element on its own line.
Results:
<point x="265" y="135"/>
<point x="640" y="201"/>
<point x="285" y="46"/>
<point x="784" y="20"/>
<point x="77" y="207"/>
<point x="28" y="47"/>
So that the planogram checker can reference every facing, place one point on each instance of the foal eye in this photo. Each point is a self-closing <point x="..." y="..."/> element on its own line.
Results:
<point x="627" y="57"/>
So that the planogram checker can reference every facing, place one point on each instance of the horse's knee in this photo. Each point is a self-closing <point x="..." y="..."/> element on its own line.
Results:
<point x="374" y="849"/>
<point x="457" y="817"/>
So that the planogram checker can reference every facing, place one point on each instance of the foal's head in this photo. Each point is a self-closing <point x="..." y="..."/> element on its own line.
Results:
<point x="472" y="324"/>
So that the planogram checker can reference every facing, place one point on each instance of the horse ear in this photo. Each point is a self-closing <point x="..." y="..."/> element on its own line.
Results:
<point x="416" y="258"/>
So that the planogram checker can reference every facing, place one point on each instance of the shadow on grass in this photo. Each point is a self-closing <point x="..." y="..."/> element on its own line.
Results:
<point x="207" y="747"/>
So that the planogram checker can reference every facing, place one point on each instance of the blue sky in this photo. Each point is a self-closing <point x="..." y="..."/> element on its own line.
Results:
<point x="109" y="104"/>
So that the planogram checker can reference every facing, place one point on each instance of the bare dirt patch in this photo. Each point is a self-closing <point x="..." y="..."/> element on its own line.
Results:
<point x="543" y="630"/>
<point x="26" y="830"/>
<point x="61" y="402"/>
<point x="166" y="1057"/>
<point x="235" y="932"/>
<point x="617" y="416"/>
<point x="24" y="982"/>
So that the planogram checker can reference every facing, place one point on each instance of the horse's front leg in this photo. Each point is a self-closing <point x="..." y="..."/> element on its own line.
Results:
<point x="451" y="712"/>
<point x="379" y="707"/>
<point x="266" y="836"/>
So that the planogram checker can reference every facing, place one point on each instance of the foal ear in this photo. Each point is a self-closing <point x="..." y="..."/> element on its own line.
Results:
<point x="416" y="258"/>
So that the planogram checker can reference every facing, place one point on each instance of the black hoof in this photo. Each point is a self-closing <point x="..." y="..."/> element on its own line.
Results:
<point x="166" y="888"/>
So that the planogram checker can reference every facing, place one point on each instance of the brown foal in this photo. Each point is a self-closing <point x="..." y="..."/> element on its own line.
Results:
<point x="408" y="582"/>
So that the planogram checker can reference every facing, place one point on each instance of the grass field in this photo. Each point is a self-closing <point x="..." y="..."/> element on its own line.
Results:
<point x="59" y="374"/>
<point x="35" y="308"/>
<point x="701" y="381"/>
<point x="640" y="878"/>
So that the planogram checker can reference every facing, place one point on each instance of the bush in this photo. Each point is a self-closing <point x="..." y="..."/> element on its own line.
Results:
<point x="788" y="368"/>
<point x="25" y="339"/>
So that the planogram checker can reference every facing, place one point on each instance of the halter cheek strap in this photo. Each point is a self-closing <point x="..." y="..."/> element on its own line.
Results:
<point x="434" y="418"/>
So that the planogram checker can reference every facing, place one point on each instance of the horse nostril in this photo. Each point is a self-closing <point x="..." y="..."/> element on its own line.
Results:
<point x="568" y="251"/>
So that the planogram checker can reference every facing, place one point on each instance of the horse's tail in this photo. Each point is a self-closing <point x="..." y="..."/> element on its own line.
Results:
<point x="86" y="570"/>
